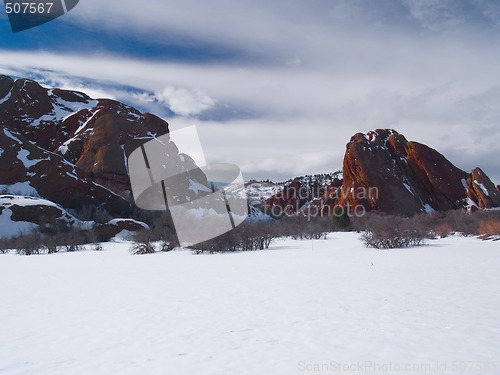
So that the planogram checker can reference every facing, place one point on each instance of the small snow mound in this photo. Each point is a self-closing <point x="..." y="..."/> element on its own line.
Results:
<point x="10" y="200"/>
<point x="118" y="221"/>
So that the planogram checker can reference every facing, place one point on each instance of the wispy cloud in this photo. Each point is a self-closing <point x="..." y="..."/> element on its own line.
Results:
<point x="318" y="73"/>
<point x="185" y="102"/>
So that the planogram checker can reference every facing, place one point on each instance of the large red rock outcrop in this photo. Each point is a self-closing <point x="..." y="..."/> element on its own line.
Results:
<point x="408" y="177"/>
<point x="95" y="136"/>
<point x="384" y="171"/>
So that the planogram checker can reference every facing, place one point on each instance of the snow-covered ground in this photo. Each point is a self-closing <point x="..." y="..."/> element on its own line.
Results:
<point x="327" y="306"/>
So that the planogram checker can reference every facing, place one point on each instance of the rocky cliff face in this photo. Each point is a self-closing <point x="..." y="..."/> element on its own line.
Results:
<point x="27" y="169"/>
<point x="94" y="135"/>
<point x="72" y="150"/>
<point x="384" y="171"/>
<point x="410" y="177"/>
<point x="405" y="177"/>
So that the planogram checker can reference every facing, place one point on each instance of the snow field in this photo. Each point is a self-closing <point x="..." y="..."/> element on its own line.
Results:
<point x="300" y="307"/>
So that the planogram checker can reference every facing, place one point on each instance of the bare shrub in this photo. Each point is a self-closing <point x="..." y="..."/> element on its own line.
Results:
<point x="166" y="246"/>
<point x="97" y="247"/>
<point x="72" y="240"/>
<point x="304" y="228"/>
<point x="142" y="243"/>
<point x="51" y="243"/>
<point x="362" y="223"/>
<point x="482" y="222"/>
<point x="249" y="236"/>
<point x="162" y="227"/>
<point x="389" y="232"/>
<point x="489" y="227"/>
<point x="443" y="230"/>
<point x="461" y="221"/>
<point x="256" y="235"/>
<point x="29" y="244"/>
<point x="5" y="246"/>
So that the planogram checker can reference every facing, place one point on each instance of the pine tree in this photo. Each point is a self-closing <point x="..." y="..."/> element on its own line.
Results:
<point x="341" y="221"/>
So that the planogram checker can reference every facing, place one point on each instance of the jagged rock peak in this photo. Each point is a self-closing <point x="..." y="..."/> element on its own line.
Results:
<point x="482" y="190"/>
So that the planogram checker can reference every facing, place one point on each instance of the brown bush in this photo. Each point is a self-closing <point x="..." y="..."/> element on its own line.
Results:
<point x="389" y="232"/>
<point x="489" y="226"/>
<point x="443" y="230"/>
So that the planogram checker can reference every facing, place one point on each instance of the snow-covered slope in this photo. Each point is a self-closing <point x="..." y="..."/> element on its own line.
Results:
<point x="300" y="306"/>
<point x="258" y="191"/>
<point x="20" y="214"/>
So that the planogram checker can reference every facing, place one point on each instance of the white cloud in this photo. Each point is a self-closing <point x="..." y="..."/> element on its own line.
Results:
<point x="325" y="71"/>
<point x="143" y="97"/>
<point x="185" y="102"/>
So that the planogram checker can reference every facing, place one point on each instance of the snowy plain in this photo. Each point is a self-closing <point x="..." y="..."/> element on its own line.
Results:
<point x="323" y="306"/>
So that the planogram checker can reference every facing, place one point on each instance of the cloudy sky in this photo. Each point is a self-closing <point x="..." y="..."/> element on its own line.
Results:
<point x="279" y="87"/>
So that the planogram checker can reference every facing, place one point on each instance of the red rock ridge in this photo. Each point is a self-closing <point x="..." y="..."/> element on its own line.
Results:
<point x="384" y="171"/>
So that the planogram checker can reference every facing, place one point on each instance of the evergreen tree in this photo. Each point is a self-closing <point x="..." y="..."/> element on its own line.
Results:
<point x="341" y="221"/>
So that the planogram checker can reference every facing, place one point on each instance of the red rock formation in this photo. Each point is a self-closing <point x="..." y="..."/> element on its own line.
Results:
<point x="24" y="166"/>
<point x="22" y="101"/>
<point x="100" y="146"/>
<point x="409" y="177"/>
<point x="481" y="190"/>
<point x="296" y="194"/>
<point x="293" y="196"/>
<point x="95" y="135"/>
<point x="384" y="171"/>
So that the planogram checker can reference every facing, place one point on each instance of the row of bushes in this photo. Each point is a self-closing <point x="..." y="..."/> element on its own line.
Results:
<point x="250" y="236"/>
<point x="389" y="231"/>
<point x="258" y="235"/>
<point x="34" y="242"/>
<point x="379" y="231"/>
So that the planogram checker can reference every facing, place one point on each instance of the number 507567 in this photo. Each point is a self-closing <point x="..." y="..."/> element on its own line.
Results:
<point x="28" y="8"/>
